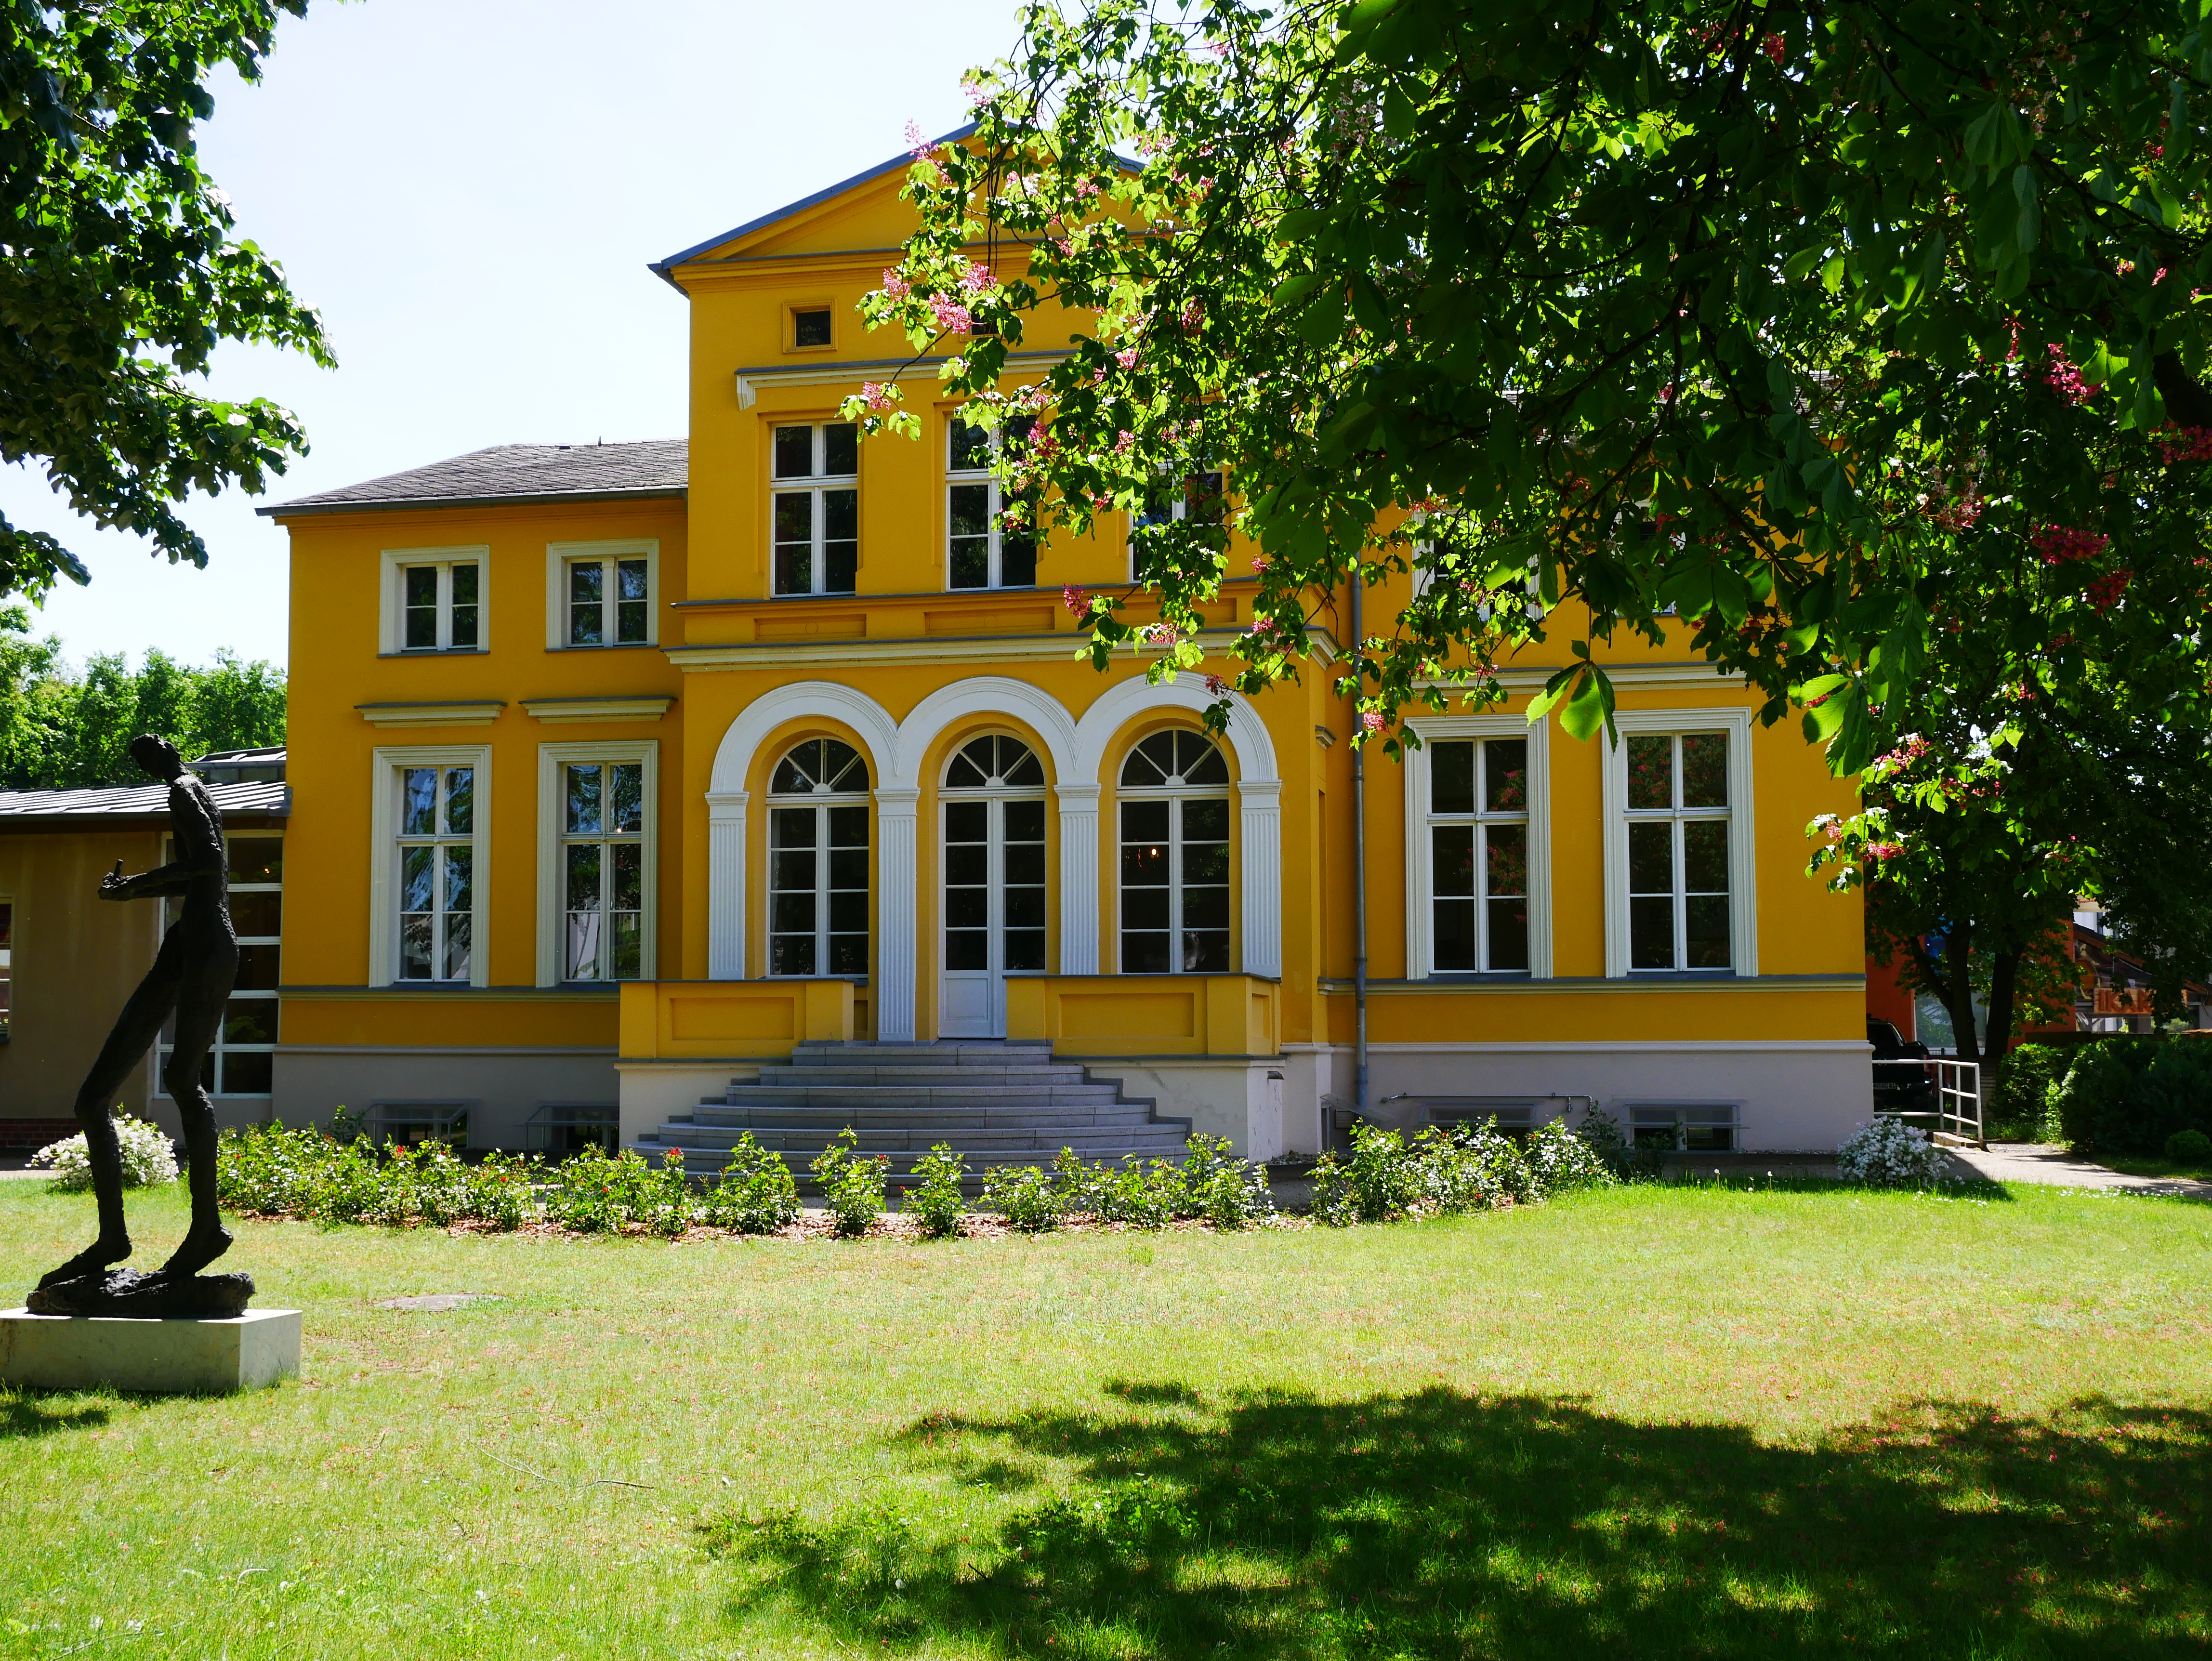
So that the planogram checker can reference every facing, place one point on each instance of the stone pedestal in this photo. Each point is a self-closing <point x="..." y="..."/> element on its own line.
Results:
<point x="66" y="1352"/>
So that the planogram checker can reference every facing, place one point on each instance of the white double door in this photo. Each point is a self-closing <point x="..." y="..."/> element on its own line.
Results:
<point x="993" y="906"/>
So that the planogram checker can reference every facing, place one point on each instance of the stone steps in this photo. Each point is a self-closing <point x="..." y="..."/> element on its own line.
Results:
<point x="994" y="1104"/>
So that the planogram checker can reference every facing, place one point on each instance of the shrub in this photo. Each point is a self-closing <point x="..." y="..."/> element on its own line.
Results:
<point x="851" y="1184"/>
<point x="666" y="1202"/>
<point x="1138" y="1195"/>
<point x="148" y="1159"/>
<point x="1028" y="1198"/>
<point x="589" y="1192"/>
<point x="936" y="1202"/>
<point x="1379" y="1180"/>
<point x="1229" y="1192"/>
<point x="2189" y="1148"/>
<point x="2016" y="1108"/>
<point x="2128" y="1095"/>
<point x="502" y="1189"/>
<point x="755" y="1193"/>
<point x="1561" y="1160"/>
<point x="1078" y="1186"/>
<point x="1890" y="1153"/>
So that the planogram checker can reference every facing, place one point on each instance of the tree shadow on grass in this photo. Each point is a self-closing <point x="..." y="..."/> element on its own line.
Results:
<point x="1441" y="1526"/>
<point x="22" y="1415"/>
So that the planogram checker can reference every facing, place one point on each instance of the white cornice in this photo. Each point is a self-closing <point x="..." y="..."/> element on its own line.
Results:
<point x="902" y="649"/>
<point x="558" y="710"/>
<point x="1688" y="672"/>
<point x="476" y="712"/>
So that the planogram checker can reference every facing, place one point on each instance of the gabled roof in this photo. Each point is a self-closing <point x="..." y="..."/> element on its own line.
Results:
<point x="664" y="269"/>
<point x="515" y="473"/>
<point x="127" y="807"/>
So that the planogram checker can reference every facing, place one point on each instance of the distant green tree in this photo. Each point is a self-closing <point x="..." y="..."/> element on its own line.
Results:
<point x="120" y="275"/>
<point x="62" y="728"/>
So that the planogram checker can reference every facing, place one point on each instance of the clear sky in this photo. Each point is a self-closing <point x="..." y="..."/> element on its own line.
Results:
<point x="469" y="190"/>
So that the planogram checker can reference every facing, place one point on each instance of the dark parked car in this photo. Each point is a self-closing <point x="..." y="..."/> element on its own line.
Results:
<point x="1898" y="1088"/>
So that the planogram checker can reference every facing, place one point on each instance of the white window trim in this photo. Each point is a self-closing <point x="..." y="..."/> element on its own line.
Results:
<point x="1420" y="918"/>
<point x="1743" y="889"/>
<point x="551" y="758"/>
<point x="557" y="557"/>
<point x="391" y="615"/>
<point x="1173" y="794"/>
<point x="994" y="530"/>
<point x="384" y="860"/>
<point x="822" y="930"/>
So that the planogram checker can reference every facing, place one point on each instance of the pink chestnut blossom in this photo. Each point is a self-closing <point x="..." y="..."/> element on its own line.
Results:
<point x="1372" y="720"/>
<point x="2060" y="544"/>
<point x="876" y="396"/>
<point x="951" y="316"/>
<point x="977" y="278"/>
<point x="1077" y="600"/>
<point x="917" y="145"/>
<point x="895" y="285"/>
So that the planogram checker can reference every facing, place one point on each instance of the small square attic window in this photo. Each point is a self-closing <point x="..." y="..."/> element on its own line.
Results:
<point x="810" y="327"/>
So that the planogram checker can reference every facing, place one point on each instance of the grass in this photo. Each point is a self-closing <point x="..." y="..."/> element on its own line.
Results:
<point x="1660" y="1421"/>
<point x="2158" y="1166"/>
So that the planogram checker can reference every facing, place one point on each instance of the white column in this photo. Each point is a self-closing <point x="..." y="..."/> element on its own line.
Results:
<point x="896" y="904"/>
<point x="1078" y="878"/>
<point x="725" y="884"/>
<point x="1263" y="877"/>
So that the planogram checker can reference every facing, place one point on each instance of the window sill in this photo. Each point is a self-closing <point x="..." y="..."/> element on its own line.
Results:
<point x="441" y="652"/>
<point x="610" y="646"/>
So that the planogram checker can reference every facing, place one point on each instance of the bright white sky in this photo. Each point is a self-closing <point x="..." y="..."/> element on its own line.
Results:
<point x="469" y="190"/>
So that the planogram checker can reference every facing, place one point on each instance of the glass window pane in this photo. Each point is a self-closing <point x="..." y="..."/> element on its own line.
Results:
<point x="460" y="890"/>
<point x="840" y="515"/>
<point x="1506" y="872"/>
<point x="1451" y="777"/>
<point x="414" y="947"/>
<point x="1205" y="952"/>
<point x="249" y="1020"/>
<point x="1451" y="856"/>
<point x="1506" y="776"/>
<point x="840" y="450"/>
<point x="583" y="870"/>
<point x="459" y="932"/>
<point x="248" y="1074"/>
<point x="258" y="968"/>
<point x="842" y="769"/>
<point x="969" y="448"/>
<point x="967" y="821"/>
<point x="967" y="908"/>
<point x="633" y="623"/>
<point x="794" y="452"/>
<point x="968" y="510"/>
<point x="1651" y="858"/>
<point x="967" y="863"/>
<point x="791" y="827"/>
<point x="793" y="913"/>
<point x="1509" y="934"/>
<point x="1651" y="933"/>
<point x="794" y="516"/>
<point x="627" y="929"/>
<point x="1145" y="908"/>
<point x="626" y="877"/>
<point x="586" y="582"/>
<point x="1024" y="908"/>
<point x="849" y="954"/>
<point x="1706" y="929"/>
<point x="257" y="859"/>
<point x="791" y="871"/>
<point x="967" y="948"/>
<point x="626" y="799"/>
<point x="793" y="773"/>
<point x="1206" y="821"/>
<point x="1025" y="819"/>
<point x="849" y="826"/>
<point x="841" y="566"/>
<point x="1455" y="935"/>
<point x="1144" y="953"/>
<point x="1650" y="772"/>
<point x="255" y="914"/>
<point x="418" y="800"/>
<point x="1206" y="907"/>
<point x="583" y="798"/>
<point x="1705" y="856"/>
<point x="582" y="959"/>
<point x="1145" y="821"/>
<point x="1199" y="760"/>
<point x="417" y="878"/>
<point x="810" y="328"/>
<point x="1705" y="770"/>
<point x="848" y="867"/>
<point x="465" y="585"/>
<point x="464" y="630"/>
<point x="1017" y="559"/>
<point x="791" y="954"/>
<point x="422" y="584"/>
<point x="969" y="563"/>
<point x="460" y="801"/>
<point x="1025" y="948"/>
<point x="1205" y="862"/>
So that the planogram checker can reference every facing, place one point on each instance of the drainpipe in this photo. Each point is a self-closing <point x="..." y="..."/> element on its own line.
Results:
<point x="1359" y="859"/>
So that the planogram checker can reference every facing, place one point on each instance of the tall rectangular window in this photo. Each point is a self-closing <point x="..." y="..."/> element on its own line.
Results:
<point x="242" y="1059"/>
<point x="609" y="602"/>
<point x="982" y="550"/>
<point x="440" y="606"/>
<point x="817" y="891"/>
<point x="437" y="873"/>
<point x="815" y="509"/>
<point x="1477" y="830"/>
<point x="1678" y="811"/>
<point x="7" y="962"/>
<point x="603" y="870"/>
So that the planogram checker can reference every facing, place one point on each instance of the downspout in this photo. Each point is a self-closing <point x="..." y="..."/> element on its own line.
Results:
<point x="1359" y="858"/>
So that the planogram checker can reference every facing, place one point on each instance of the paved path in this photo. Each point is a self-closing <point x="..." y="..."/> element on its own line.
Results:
<point x="2042" y="1162"/>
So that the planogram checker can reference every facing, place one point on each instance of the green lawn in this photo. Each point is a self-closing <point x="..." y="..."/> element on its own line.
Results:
<point x="2158" y="1165"/>
<point x="1652" y="1422"/>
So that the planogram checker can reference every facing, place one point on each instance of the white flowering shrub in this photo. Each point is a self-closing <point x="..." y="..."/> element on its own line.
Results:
<point x="1890" y="1153"/>
<point x="148" y="1160"/>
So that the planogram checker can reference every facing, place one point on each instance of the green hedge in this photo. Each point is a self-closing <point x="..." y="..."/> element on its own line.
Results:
<point x="2131" y="1095"/>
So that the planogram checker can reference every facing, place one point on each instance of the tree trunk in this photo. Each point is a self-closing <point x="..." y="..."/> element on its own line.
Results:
<point x="2004" y="983"/>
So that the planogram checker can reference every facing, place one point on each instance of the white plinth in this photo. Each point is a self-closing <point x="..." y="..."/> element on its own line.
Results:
<point x="68" y="1351"/>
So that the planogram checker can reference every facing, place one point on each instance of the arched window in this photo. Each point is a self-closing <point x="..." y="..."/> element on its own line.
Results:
<point x="817" y="861"/>
<point x="1174" y="857"/>
<point x="993" y="822"/>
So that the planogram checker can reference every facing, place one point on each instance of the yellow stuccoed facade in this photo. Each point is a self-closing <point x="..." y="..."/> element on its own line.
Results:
<point x="526" y="990"/>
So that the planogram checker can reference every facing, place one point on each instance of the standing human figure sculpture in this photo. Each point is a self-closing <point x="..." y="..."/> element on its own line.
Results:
<point x="191" y="979"/>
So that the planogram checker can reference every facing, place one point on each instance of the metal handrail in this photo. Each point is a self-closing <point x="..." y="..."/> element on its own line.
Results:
<point x="1958" y="1085"/>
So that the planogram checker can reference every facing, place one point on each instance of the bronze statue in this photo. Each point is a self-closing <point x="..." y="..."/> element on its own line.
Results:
<point x="191" y="979"/>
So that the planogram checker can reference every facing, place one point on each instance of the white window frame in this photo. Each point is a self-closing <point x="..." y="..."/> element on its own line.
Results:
<point x="8" y="970"/>
<point x="552" y="833"/>
<point x="1175" y="795"/>
<point x="818" y="483"/>
<point x="384" y="860"/>
<point x="268" y="996"/>
<point x="560" y="555"/>
<point x="1742" y="842"/>
<point x="391" y="609"/>
<point x="820" y="802"/>
<point x="1420" y="915"/>
<point x="955" y="478"/>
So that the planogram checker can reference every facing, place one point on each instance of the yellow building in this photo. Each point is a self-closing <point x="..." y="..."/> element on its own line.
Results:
<point x="624" y="770"/>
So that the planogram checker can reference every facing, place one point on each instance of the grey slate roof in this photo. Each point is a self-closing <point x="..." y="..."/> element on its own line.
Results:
<point x="116" y="808"/>
<point x="516" y="472"/>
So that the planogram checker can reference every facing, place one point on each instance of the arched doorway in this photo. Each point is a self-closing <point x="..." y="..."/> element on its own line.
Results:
<point x="991" y="818"/>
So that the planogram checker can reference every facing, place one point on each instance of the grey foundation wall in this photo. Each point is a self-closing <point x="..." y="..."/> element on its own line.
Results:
<point x="503" y="1087"/>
